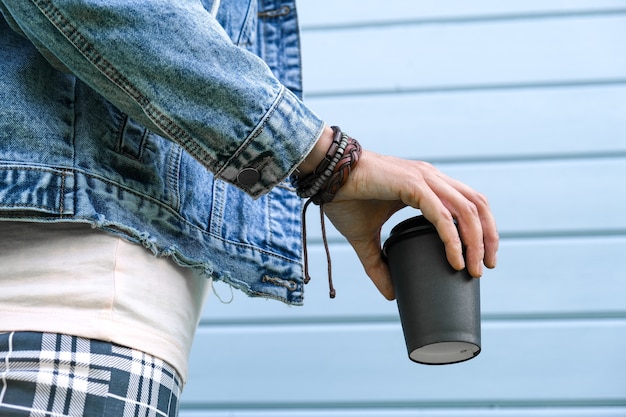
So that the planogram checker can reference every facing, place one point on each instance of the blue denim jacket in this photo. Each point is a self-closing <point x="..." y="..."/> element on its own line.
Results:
<point x="157" y="120"/>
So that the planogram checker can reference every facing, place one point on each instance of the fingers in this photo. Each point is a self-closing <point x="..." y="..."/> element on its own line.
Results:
<point x="486" y="221"/>
<point x="378" y="271"/>
<point x="439" y="215"/>
<point x="470" y="229"/>
<point x="473" y="241"/>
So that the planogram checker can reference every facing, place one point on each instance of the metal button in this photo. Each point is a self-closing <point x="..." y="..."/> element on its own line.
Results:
<point x="248" y="176"/>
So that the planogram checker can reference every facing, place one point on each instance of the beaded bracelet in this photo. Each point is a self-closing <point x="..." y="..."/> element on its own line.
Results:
<point x="314" y="185"/>
<point x="332" y="172"/>
<point x="308" y="186"/>
<point x="321" y="186"/>
<point x="340" y="173"/>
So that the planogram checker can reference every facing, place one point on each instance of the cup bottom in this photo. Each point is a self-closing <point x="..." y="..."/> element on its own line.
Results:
<point x="444" y="353"/>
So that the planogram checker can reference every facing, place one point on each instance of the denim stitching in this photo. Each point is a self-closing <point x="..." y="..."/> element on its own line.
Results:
<point x="173" y="176"/>
<point x="256" y="133"/>
<point x="56" y="18"/>
<point x="63" y="174"/>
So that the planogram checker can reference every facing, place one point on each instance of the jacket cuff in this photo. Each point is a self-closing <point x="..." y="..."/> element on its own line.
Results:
<point x="277" y="145"/>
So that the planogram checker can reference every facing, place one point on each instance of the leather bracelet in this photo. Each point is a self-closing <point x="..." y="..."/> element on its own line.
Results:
<point x="305" y="183"/>
<point x="313" y="186"/>
<point x="341" y="171"/>
<point x="332" y="172"/>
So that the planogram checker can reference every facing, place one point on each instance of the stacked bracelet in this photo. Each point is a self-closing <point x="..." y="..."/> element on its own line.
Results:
<point x="331" y="174"/>
<point x="321" y="186"/>
<point x="340" y="174"/>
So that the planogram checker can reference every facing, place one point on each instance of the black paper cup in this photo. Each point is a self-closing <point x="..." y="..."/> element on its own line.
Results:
<point x="439" y="307"/>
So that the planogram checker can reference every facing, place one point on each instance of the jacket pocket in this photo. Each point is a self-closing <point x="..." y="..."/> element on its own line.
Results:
<point x="25" y="190"/>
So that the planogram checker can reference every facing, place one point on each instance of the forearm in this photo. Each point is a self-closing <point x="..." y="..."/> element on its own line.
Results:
<point x="169" y="65"/>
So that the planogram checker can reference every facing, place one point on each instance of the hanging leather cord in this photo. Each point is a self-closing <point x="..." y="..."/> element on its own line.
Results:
<point x="322" y="185"/>
<point x="307" y="277"/>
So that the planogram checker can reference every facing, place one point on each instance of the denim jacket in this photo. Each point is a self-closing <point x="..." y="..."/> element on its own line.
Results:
<point x="157" y="120"/>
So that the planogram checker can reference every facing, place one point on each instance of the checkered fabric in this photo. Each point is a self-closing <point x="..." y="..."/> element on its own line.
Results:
<point x="53" y="375"/>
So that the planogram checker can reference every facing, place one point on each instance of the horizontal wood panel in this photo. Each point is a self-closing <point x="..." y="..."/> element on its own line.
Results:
<point x="482" y="125"/>
<point x="549" y="411"/>
<point x="366" y="365"/>
<point x="535" y="277"/>
<point x="523" y="101"/>
<point x="321" y="13"/>
<point x="414" y="57"/>
<point x="543" y="197"/>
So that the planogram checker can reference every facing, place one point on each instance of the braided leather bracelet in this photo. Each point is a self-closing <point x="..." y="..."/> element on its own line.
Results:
<point x="332" y="173"/>
<point x="322" y="185"/>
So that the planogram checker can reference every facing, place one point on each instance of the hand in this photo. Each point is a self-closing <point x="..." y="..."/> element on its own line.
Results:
<point x="379" y="186"/>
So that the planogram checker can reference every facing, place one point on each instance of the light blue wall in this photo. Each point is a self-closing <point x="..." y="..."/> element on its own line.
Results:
<point x="524" y="100"/>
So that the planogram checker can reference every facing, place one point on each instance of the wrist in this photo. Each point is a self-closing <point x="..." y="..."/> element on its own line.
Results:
<point x="317" y="154"/>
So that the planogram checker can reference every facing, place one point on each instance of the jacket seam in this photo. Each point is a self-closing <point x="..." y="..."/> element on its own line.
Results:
<point x="258" y="130"/>
<point x="151" y="199"/>
<point x="73" y="35"/>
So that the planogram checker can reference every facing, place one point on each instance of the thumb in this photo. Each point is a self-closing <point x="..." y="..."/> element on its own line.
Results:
<point x="376" y="268"/>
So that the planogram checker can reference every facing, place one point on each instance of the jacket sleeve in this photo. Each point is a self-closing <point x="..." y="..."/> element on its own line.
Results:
<point x="170" y="65"/>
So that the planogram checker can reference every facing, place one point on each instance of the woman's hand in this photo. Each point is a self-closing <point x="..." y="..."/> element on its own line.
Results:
<point x="379" y="186"/>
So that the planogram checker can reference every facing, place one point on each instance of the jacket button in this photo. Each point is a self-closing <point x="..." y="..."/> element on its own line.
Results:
<point x="248" y="176"/>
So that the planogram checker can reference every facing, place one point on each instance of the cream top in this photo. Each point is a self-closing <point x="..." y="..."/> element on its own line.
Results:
<point x="69" y="278"/>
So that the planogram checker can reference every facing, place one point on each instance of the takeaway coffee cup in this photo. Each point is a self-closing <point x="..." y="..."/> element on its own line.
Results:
<point x="439" y="307"/>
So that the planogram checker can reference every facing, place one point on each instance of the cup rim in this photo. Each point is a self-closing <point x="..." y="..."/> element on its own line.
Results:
<point x="407" y="228"/>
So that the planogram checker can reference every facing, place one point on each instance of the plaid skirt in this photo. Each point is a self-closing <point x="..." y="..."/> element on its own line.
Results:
<point x="50" y="375"/>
